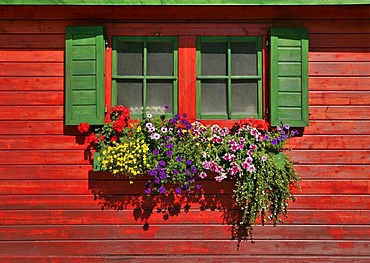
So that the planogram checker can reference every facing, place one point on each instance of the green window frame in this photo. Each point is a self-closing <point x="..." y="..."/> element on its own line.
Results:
<point x="145" y="78"/>
<point x="229" y="77"/>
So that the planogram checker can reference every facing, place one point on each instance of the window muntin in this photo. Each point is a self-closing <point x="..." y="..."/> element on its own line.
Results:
<point x="229" y="77"/>
<point x="145" y="74"/>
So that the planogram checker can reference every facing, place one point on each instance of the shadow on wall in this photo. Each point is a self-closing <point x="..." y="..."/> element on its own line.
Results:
<point x="108" y="191"/>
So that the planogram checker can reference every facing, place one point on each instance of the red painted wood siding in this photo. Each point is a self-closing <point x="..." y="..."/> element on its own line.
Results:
<point x="51" y="204"/>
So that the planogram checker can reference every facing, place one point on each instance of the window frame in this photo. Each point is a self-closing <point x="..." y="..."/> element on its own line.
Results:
<point x="144" y="77"/>
<point x="187" y="79"/>
<point x="229" y="77"/>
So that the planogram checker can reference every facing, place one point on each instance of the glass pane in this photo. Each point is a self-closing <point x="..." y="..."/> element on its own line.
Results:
<point x="130" y="58"/>
<point x="160" y="59"/>
<point x="244" y="97"/>
<point x="214" y="59"/>
<point x="244" y="58"/>
<point x="159" y="94"/>
<point x="129" y="94"/>
<point x="214" y="97"/>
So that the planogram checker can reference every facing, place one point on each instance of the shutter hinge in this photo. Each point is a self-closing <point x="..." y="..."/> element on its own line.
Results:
<point x="267" y="42"/>
<point x="106" y="44"/>
<point x="106" y="109"/>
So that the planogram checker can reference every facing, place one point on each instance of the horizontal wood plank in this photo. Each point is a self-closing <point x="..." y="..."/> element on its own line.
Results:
<point x="31" y="127"/>
<point x="357" y="83"/>
<point x="46" y="69"/>
<point x="335" y="40"/>
<point x="342" y="127"/>
<point x="330" y="156"/>
<point x="338" y="56"/>
<point x="208" y="202"/>
<point x="352" y="98"/>
<point x="31" y="113"/>
<point x="339" y="112"/>
<point x="28" y="98"/>
<point x="183" y="12"/>
<point x="339" y="69"/>
<point x="32" y="55"/>
<point x="340" y="26"/>
<point x="186" y="258"/>
<point x="120" y="247"/>
<point x="328" y="142"/>
<point x="47" y="142"/>
<point x="140" y="217"/>
<point x="44" y="172"/>
<point x="43" y="157"/>
<point x="31" y="83"/>
<point x="336" y="171"/>
<point x="175" y="232"/>
<point x="21" y="41"/>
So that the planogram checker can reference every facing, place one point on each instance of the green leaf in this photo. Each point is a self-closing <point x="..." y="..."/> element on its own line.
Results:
<point x="279" y="160"/>
<point x="97" y="163"/>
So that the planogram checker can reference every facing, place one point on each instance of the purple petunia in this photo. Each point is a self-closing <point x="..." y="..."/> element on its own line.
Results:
<point x="166" y="107"/>
<point x="179" y="159"/>
<point x="169" y="145"/>
<point x="162" y="190"/>
<point x="162" y="175"/>
<point x="162" y="163"/>
<point x="178" y="190"/>
<point x="168" y="153"/>
<point x="274" y="141"/>
<point x="152" y="172"/>
<point x="148" y="190"/>
<point x="189" y="162"/>
<point x="155" y="151"/>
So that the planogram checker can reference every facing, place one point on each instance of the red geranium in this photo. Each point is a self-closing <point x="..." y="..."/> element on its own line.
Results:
<point x="92" y="138"/>
<point x="83" y="127"/>
<point x="120" y="123"/>
<point x="122" y="110"/>
<point x="259" y="124"/>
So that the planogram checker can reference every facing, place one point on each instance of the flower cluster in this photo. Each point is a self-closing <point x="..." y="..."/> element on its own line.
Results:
<point x="252" y="154"/>
<point x="176" y="155"/>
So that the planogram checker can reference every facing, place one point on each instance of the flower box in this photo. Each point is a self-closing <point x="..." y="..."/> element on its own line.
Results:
<point x="176" y="156"/>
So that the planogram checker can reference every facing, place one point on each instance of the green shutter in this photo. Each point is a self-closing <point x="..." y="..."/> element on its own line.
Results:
<point x="84" y="75"/>
<point x="289" y="77"/>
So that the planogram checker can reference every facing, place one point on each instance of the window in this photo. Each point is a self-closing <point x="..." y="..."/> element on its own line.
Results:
<point x="145" y="74"/>
<point x="229" y="77"/>
<point x="210" y="71"/>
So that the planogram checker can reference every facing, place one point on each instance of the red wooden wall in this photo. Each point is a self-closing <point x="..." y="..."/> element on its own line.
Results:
<point x="50" y="204"/>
